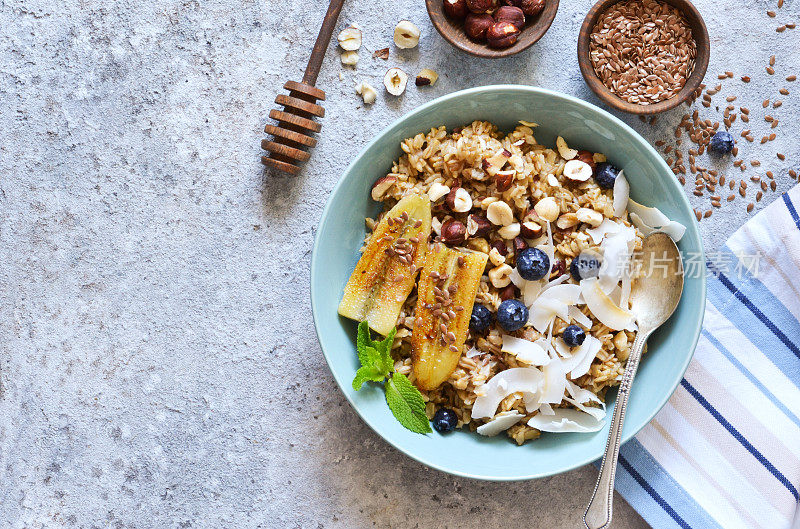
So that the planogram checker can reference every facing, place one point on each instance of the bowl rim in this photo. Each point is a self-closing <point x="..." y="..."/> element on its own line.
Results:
<point x="694" y="81"/>
<point x="316" y="264"/>
<point x="542" y="25"/>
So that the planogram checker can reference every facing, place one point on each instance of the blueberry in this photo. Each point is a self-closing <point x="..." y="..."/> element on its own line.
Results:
<point x="586" y="265"/>
<point x="512" y="315"/>
<point x="573" y="336"/>
<point x="532" y="264"/>
<point x="605" y="174"/>
<point x="481" y="318"/>
<point x="444" y="420"/>
<point x="721" y="143"/>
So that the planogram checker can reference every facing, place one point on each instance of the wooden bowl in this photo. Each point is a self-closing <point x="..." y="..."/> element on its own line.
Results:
<point x="453" y="31"/>
<point x="699" y="32"/>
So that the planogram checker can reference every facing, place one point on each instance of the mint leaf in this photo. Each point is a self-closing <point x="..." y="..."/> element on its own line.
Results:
<point x="366" y="373"/>
<point x="375" y="357"/>
<point x="385" y="350"/>
<point x="363" y="341"/>
<point x="406" y="403"/>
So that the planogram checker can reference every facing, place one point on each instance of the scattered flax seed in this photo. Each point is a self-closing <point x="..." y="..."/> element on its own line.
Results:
<point x="770" y="70"/>
<point x="780" y="29"/>
<point x="772" y="60"/>
<point x="745" y="132"/>
<point x="768" y="118"/>
<point x="742" y="191"/>
<point x="755" y="163"/>
<point x="746" y="78"/>
<point x="745" y="118"/>
<point x="781" y="156"/>
<point x="763" y="186"/>
<point x="784" y="91"/>
<point x="758" y="196"/>
<point x="771" y="14"/>
<point x="716" y="204"/>
<point x="750" y="207"/>
<point x="774" y="124"/>
<point x="698" y="193"/>
<point x="792" y="173"/>
<point x="765" y="104"/>
<point x="791" y="78"/>
<point x="722" y="76"/>
<point x="773" y="185"/>
<point x="749" y="138"/>
<point x="735" y="151"/>
<point x="791" y="26"/>
<point x="731" y="197"/>
<point x="780" y="4"/>
<point x="698" y="215"/>
<point x="729" y="74"/>
<point x="755" y="178"/>
<point x="732" y="184"/>
<point x="777" y="104"/>
<point x="729" y="99"/>
<point x="770" y="175"/>
<point x="707" y="214"/>
<point x="744" y="110"/>
<point x="764" y="140"/>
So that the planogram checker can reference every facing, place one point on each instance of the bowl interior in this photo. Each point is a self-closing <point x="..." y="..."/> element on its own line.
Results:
<point x="453" y="31"/>
<point x="341" y="232"/>
<point x="699" y="32"/>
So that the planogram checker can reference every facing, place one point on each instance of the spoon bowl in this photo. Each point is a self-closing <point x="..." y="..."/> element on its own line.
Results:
<point x="656" y="292"/>
<point x="654" y="297"/>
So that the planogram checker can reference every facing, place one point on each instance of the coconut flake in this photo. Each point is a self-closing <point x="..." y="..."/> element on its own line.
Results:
<point x="606" y="227"/>
<point x="622" y="192"/>
<point x="517" y="279"/>
<point x="569" y="294"/>
<point x="530" y="291"/>
<point x="578" y="360"/>
<point x="617" y="250"/>
<point x="525" y="351"/>
<point x="565" y="420"/>
<point x="557" y="281"/>
<point x="649" y="216"/>
<point x="500" y="423"/>
<point x="579" y="317"/>
<point x="674" y="228"/>
<point x="546" y="409"/>
<point x="544" y="310"/>
<point x="555" y="382"/>
<point x="579" y="397"/>
<point x="526" y="380"/>
<point x="472" y="353"/>
<point x="603" y="308"/>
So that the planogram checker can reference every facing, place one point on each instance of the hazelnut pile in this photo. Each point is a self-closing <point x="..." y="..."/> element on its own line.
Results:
<point x="488" y="21"/>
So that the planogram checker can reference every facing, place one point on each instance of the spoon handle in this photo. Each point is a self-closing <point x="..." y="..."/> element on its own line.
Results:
<point x="598" y="514"/>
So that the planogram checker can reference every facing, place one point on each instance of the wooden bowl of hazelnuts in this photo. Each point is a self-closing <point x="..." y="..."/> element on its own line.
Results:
<point x="492" y="28"/>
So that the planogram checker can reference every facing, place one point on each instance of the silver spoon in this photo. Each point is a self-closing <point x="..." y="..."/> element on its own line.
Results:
<point x="654" y="296"/>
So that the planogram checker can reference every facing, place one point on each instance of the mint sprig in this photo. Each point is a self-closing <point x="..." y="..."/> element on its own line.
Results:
<point x="404" y="399"/>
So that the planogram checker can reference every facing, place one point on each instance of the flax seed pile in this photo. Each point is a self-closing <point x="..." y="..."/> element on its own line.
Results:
<point x="698" y="130"/>
<point x="643" y="50"/>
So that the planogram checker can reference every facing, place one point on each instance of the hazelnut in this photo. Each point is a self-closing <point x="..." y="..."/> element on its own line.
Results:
<point x="436" y="225"/>
<point x="456" y="9"/>
<point x="503" y="180"/>
<point x="500" y="214"/>
<point x="589" y="216"/>
<point x="509" y="292"/>
<point x="454" y="232"/>
<point x="437" y="191"/>
<point x="482" y="6"/>
<point x="381" y="186"/>
<point x="479" y="245"/>
<point x="511" y="14"/>
<point x="547" y="209"/>
<point x="476" y="25"/>
<point x="566" y="221"/>
<point x="500" y="246"/>
<point x="519" y="245"/>
<point x="350" y="38"/>
<point x="349" y="58"/>
<point x="500" y="276"/>
<point x="426" y="77"/>
<point x="509" y="232"/>
<point x="586" y="157"/>
<point x="577" y="170"/>
<point x="495" y="257"/>
<point x="458" y="200"/>
<point x="478" y="226"/>
<point x="530" y="230"/>
<point x="531" y="8"/>
<point x="502" y="35"/>
<point x="367" y="93"/>
<point x="395" y="81"/>
<point x="406" y="35"/>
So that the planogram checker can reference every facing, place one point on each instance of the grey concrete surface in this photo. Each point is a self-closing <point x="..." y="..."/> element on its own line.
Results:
<point x="158" y="363"/>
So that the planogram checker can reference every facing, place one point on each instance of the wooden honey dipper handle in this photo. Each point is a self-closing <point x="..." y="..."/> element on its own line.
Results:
<point x="324" y="37"/>
<point x="292" y="134"/>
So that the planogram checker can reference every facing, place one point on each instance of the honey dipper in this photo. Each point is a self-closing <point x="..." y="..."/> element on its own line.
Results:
<point x="292" y="135"/>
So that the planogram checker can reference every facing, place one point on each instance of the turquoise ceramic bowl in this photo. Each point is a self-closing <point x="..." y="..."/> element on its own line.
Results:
<point x="341" y="232"/>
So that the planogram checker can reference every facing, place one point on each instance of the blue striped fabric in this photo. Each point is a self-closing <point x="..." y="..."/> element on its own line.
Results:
<point x="725" y="450"/>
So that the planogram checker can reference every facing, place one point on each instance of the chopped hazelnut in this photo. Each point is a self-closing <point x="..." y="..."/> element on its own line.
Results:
<point x="395" y="81"/>
<point x="547" y="209"/>
<point x="577" y="170"/>
<point x="495" y="257"/>
<point x="426" y="77"/>
<point x="531" y="8"/>
<point x="437" y="191"/>
<point x="454" y="232"/>
<point x="406" y="35"/>
<point x="349" y="58"/>
<point x="478" y="226"/>
<point x="500" y="214"/>
<point x="382" y="53"/>
<point x="381" y="186"/>
<point x="564" y="150"/>
<point x="530" y="230"/>
<point x="458" y="200"/>
<point x="509" y="232"/>
<point x="367" y="93"/>
<point x="590" y="217"/>
<point x="500" y="276"/>
<point x="350" y="38"/>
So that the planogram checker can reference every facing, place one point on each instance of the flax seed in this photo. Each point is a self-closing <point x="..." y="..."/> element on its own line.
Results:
<point x="731" y="197"/>
<point x="763" y="186"/>
<point x="770" y="175"/>
<point x="742" y="191"/>
<point x="770" y="70"/>
<point x="781" y="157"/>
<point x="750" y="207"/>
<point x="777" y="104"/>
<point x="791" y="78"/>
<point x="784" y="91"/>
<point x="755" y="163"/>
<point x="780" y="29"/>
<point x="765" y="104"/>
<point x="771" y="14"/>
<point x="698" y="215"/>
<point x="707" y="214"/>
<point x="758" y="196"/>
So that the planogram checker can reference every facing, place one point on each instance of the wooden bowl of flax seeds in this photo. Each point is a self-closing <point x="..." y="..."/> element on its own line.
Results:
<point x="643" y="56"/>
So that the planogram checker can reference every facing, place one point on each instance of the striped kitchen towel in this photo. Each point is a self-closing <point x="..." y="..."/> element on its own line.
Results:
<point x="725" y="450"/>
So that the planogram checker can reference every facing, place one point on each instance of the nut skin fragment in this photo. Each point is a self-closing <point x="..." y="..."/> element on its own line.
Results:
<point x="586" y="157"/>
<point x="478" y="226"/>
<point x="476" y="25"/>
<point x="395" y="81"/>
<point x="512" y="15"/>
<point x="454" y="232"/>
<point x="456" y="9"/>
<point x="426" y="77"/>
<point x="382" y="53"/>
<point x="503" y="180"/>
<point x="502" y="35"/>
<point x="482" y="6"/>
<point x="350" y="38"/>
<point x="367" y="92"/>
<point x="406" y="35"/>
